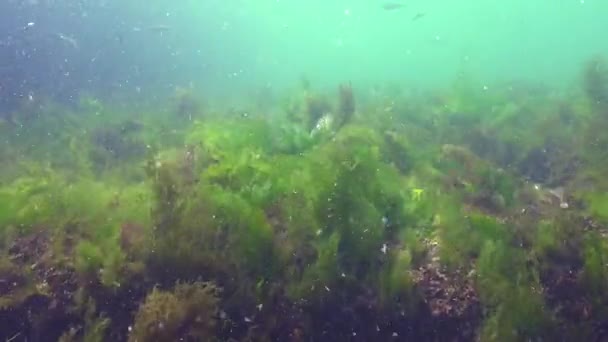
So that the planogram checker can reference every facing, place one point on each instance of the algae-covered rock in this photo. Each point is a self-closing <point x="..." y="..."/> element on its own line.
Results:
<point x="189" y="312"/>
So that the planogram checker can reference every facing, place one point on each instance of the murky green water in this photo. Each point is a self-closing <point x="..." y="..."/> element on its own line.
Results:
<point x="303" y="171"/>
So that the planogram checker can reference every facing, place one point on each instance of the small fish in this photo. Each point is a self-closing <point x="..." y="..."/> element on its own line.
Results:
<point x="158" y="28"/>
<point x="153" y="28"/>
<point x="390" y="6"/>
<point x="70" y="40"/>
<point x="418" y="16"/>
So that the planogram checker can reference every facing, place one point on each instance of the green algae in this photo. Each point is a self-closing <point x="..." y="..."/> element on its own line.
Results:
<point x="286" y="221"/>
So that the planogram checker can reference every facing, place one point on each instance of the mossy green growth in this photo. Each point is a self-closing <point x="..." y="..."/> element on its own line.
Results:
<point x="226" y="138"/>
<point x="94" y="329"/>
<point x="498" y="183"/>
<point x="396" y="285"/>
<point x="412" y="240"/>
<point x="54" y="202"/>
<point x="365" y="194"/>
<point x="28" y="201"/>
<point x="250" y="157"/>
<point x="546" y="240"/>
<point x="189" y="312"/>
<point x="17" y="284"/>
<point x="95" y="213"/>
<point x="464" y="237"/>
<point x="322" y="274"/>
<point x="344" y="183"/>
<point x="481" y="183"/>
<point x="209" y="227"/>
<point x="511" y="294"/>
<point x="520" y="318"/>
<point x="292" y="139"/>
<point x="420" y="204"/>
<point x="101" y="257"/>
<point x="597" y="203"/>
<point x="132" y="203"/>
<point x="249" y="237"/>
<point x="595" y="272"/>
<point x="89" y="258"/>
<point x="249" y="173"/>
<point x="554" y="238"/>
<point x="84" y="201"/>
<point x="398" y="151"/>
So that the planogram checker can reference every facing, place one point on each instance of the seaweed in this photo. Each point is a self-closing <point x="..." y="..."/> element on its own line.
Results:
<point x="511" y="294"/>
<point x="392" y="215"/>
<point x="189" y="311"/>
<point x="594" y="274"/>
<point x="396" y="283"/>
<point x="94" y="328"/>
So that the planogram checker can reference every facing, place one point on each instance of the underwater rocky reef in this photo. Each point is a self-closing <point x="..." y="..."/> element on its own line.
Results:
<point x="461" y="214"/>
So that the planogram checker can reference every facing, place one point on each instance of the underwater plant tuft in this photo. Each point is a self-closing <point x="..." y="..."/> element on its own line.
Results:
<point x="189" y="312"/>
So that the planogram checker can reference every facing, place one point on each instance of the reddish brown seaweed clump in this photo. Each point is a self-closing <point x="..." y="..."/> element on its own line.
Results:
<point x="447" y="294"/>
<point x="189" y="312"/>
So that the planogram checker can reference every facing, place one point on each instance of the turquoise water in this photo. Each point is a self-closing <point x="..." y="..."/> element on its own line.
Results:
<point x="274" y="42"/>
<point x="239" y="45"/>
